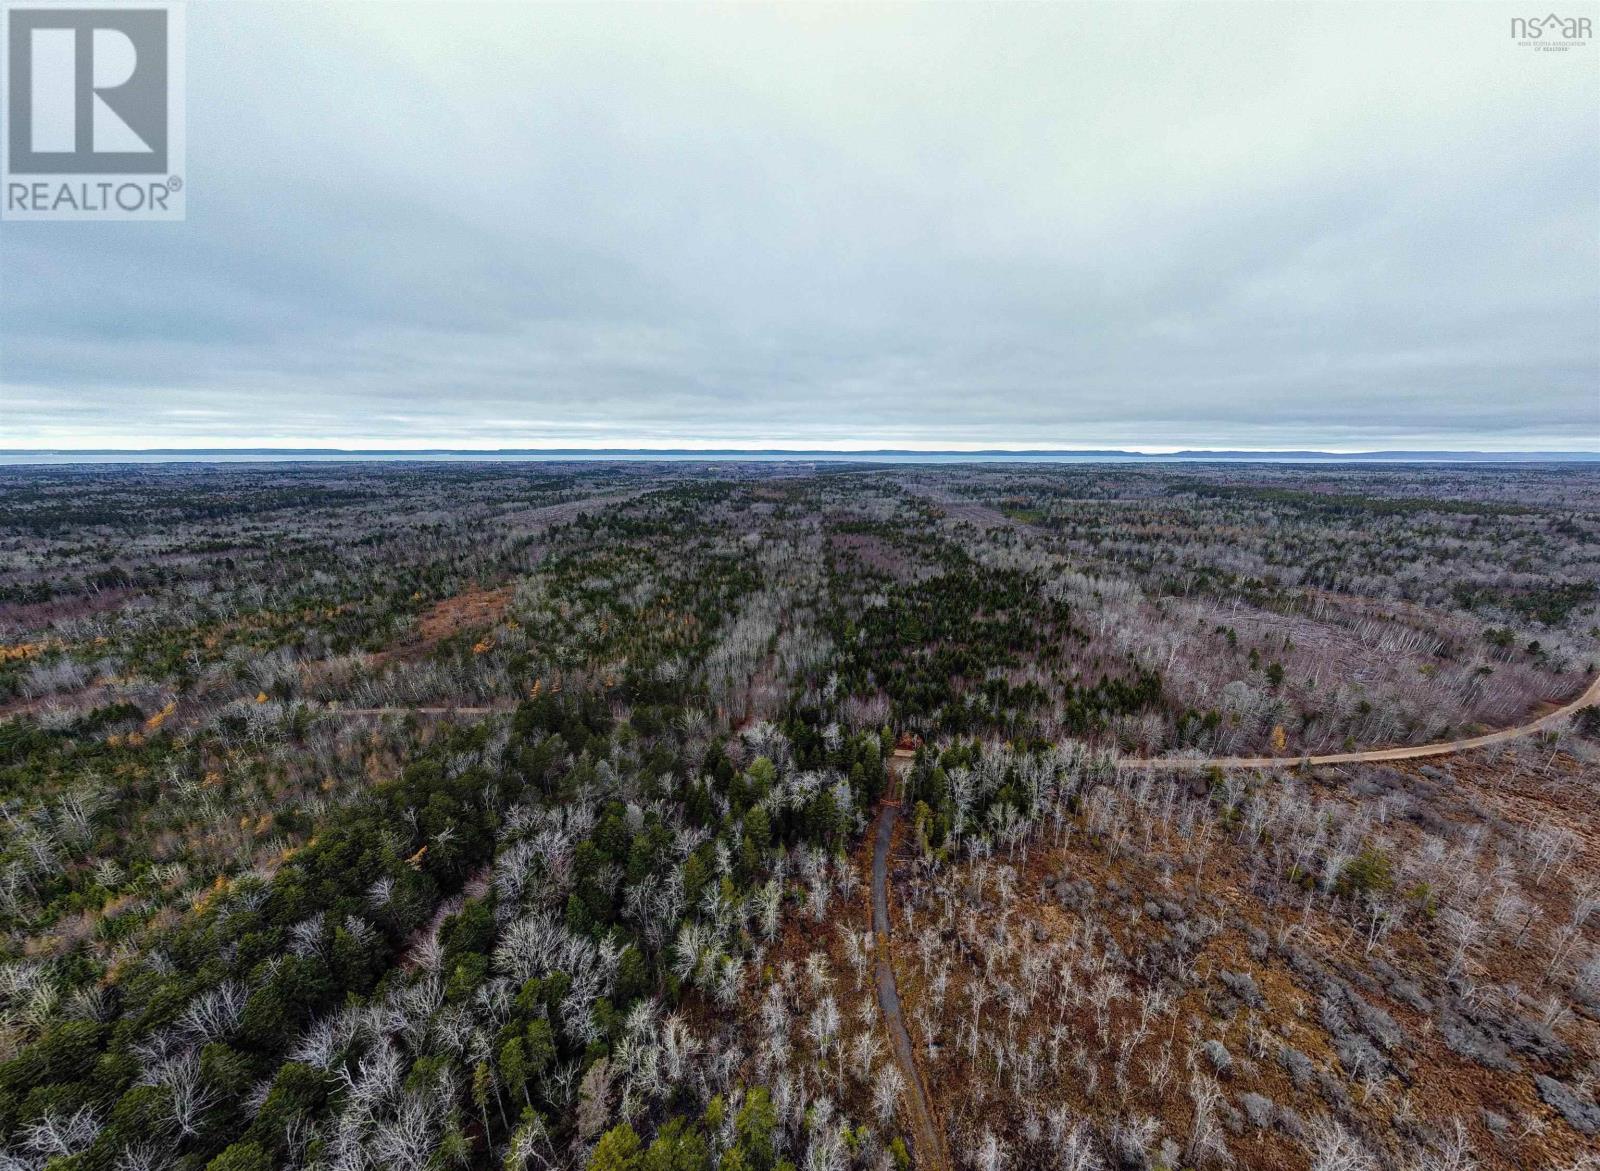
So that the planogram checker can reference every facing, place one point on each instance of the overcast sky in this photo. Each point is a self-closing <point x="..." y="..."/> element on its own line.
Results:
<point x="1272" y="225"/>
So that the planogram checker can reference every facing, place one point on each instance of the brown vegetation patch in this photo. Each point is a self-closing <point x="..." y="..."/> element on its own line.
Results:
<point x="475" y="609"/>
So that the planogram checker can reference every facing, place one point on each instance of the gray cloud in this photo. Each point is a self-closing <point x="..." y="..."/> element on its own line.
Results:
<point x="1084" y="225"/>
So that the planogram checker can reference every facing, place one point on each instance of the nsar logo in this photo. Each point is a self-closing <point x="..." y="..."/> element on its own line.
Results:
<point x="1552" y="32"/>
<point x="94" y="112"/>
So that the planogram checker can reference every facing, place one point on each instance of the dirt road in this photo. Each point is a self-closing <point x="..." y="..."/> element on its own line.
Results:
<point x="926" y="1134"/>
<point x="1589" y="698"/>
<point x="417" y="711"/>
<point x="926" y="1139"/>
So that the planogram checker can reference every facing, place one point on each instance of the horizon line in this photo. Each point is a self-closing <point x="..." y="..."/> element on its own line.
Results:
<point x="65" y="454"/>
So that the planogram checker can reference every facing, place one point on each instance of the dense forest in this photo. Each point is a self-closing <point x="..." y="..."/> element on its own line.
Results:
<point x="516" y="815"/>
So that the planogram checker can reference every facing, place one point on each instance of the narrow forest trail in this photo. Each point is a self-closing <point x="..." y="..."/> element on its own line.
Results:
<point x="926" y="1137"/>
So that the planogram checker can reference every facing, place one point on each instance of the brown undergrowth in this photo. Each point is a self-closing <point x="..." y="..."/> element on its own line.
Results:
<point x="1170" y="992"/>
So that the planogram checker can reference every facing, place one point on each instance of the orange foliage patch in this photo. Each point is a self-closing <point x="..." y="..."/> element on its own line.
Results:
<point x="465" y="611"/>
